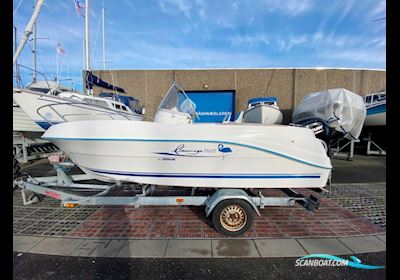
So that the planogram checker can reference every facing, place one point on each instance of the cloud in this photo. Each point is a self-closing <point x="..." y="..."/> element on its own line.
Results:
<point x="166" y="56"/>
<point x="130" y="5"/>
<point x="170" y="6"/>
<point x="357" y="55"/>
<point x="378" y="11"/>
<point x="289" y="7"/>
<point x="252" y="40"/>
<point x="346" y="10"/>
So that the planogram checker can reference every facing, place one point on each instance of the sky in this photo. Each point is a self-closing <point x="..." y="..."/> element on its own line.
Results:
<point x="196" y="34"/>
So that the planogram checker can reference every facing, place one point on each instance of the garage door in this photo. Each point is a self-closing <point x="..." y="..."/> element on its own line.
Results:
<point x="213" y="106"/>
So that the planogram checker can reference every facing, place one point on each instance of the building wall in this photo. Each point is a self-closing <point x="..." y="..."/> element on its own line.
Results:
<point x="289" y="85"/>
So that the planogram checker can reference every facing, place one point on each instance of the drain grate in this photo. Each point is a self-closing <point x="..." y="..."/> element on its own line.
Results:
<point x="81" y="214"/>
<point x="20" y="212"/>
<point x="41" y="227"/>
<point x="59" y="214"/>
<point x="21" y="225"/>
<point x="366" y="200"/>
<point x="63" y="228"/>
<point x="40" y="213"/>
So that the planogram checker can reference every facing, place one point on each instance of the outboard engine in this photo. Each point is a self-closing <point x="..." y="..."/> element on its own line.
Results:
<point x="320" y="128"/>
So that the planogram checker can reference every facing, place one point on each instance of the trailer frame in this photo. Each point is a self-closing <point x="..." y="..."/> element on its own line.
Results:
<point x="67" y="189"/>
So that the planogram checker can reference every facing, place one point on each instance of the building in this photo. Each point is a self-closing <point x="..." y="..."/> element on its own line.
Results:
<point x="290" y="85"/>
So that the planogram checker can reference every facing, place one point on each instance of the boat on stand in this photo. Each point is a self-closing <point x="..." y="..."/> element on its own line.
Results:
<point x="56" y="105"/>
<point x="376" y="109"/>
<point x="263" y="110"/>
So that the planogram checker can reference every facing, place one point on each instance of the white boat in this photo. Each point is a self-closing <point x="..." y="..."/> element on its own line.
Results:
<point x="47" y="109"/>
<point x="263" y="110"/>
<point x="48" y="103"/>
<point x="22" y="122"/>
<point x="376" y="109"/>
<point x="174" y="151"/>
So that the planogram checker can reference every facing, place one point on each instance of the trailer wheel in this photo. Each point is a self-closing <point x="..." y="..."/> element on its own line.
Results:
<point x="233" y="217"/>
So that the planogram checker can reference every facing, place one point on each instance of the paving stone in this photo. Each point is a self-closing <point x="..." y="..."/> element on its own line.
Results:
<point x="99" y="248"/>
<point x="279" y="248"/>
<point x="22" y="243"/>
<point x="57" y="246"/>
<point x="234" y="248"/>
<point x="143" y="248"/>
<point x="324" y="246"/>
<point x="189" y="249"/>
<point x="382" y="237"/>
<point x="364" y="244"/>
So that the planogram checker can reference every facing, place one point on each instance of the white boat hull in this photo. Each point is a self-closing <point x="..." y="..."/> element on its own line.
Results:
<point x="46" y="110"/>
<point x="195" y="155"/>
<point x="264" y="114"/>
<point x="22" y="122"/>
<point x="375" y="120"/>
<point x="376" y="115"/>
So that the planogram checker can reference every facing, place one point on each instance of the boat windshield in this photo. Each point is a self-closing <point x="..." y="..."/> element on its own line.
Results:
<point x="177" y="100"/>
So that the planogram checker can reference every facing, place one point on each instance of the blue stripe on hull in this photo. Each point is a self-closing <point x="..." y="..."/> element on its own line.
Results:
<point x="376" y="110"/>
<point x="45" y="125"/>
<point x="210" y="175"/>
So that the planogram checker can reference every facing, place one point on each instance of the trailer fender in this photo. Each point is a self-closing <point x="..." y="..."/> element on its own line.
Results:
<point x="224" y="194"/>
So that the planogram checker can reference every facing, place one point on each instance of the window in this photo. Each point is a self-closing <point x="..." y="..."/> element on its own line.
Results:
<point x="100" y="103"/>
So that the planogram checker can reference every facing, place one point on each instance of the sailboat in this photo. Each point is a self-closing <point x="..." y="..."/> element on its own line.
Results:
<point x="55" y="106"/>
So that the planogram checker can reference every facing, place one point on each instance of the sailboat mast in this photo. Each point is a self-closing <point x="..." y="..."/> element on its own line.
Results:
<point x="28" y="30"/>
<point x="16" y="64"/>
<point x="87" y="56"/>
<point x="87" y="49"/>
<point x="34" y="54"/>
<point x="34" y="49"/>
<point x="104" y="42"/>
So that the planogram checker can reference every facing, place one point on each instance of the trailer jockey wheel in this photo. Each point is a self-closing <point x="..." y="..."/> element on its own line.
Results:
<point x="233" y="217"/>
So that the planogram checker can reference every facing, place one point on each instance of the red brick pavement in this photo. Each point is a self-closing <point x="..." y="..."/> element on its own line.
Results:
<point x="330" y="220"/>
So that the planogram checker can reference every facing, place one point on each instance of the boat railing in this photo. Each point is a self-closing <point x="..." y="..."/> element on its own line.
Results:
<point x="94" y="110"/>
<point x="227" y="118"/>
<point x="18" y="78"/>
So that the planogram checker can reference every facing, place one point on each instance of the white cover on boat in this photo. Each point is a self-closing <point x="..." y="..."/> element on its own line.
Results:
<point x="340" y="108"/>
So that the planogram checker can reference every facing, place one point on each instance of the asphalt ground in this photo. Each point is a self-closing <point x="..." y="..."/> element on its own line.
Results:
<point x="362" y="169"/>
<point x="32" y="266"/>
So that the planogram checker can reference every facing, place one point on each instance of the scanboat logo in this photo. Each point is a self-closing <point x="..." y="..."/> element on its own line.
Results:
<point x="329" y="260"/>
<point x="182" y="151"/>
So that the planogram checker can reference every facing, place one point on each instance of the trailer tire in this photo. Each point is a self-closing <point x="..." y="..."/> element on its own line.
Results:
<point x="233" y="217"/>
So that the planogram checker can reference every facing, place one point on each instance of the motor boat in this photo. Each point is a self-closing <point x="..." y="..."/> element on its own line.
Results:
<point x="62" y="105"/>
<point x="174" y="151"/>
<point x="331" y="111"/>
<point x="376" y="109"/>
<point x="263" y="110"/>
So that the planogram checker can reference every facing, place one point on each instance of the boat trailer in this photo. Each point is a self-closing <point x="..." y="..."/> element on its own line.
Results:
<point x="231" y="210"/>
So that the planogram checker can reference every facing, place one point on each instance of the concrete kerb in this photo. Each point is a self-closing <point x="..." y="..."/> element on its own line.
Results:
<point x="215" y="248"/>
